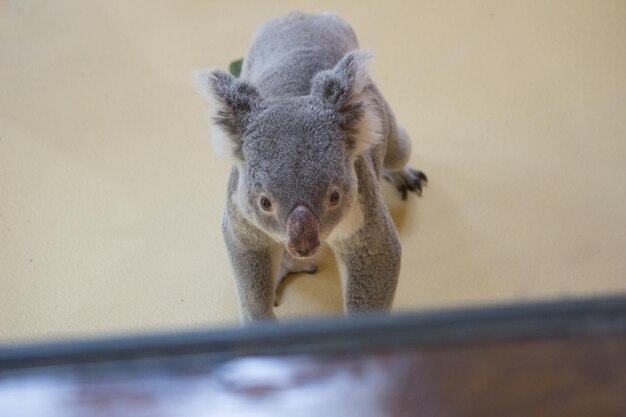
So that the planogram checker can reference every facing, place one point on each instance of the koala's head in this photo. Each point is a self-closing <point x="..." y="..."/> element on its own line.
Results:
<point x="295" y="156"/>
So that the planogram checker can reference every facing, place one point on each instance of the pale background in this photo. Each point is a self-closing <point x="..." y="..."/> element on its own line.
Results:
<point x="110" y="195"/>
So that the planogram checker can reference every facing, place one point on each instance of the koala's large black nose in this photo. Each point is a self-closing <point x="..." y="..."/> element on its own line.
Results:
<point x="303" y="230"/>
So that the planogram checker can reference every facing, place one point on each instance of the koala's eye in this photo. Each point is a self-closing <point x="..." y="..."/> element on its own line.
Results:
<point x="334" y="198"/>
<point x="265" y="203"/>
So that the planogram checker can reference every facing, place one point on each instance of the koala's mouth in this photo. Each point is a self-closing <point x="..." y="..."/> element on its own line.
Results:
<point x="303" y="230"/>
<point x="302" y="253"/>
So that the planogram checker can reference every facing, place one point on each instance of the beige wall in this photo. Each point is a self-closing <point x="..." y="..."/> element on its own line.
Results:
<point x="110" y="196"/>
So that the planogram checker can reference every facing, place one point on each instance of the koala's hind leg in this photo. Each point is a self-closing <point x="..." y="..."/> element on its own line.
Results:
<point x="407" y="179"/>
<point x="395" y="169"/>
<point x="290" y="265"/>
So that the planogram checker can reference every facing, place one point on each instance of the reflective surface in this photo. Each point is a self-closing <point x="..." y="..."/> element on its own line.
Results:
<point x="556" y="359"/>
<point x="569" y="378"/>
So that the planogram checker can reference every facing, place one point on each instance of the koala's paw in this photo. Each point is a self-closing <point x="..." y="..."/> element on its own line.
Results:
<point x="291" y="267"/>
<point x="407" y="179"/>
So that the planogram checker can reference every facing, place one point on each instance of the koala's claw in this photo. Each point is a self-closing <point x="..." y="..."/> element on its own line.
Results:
<point x="408" y="179"/>
<point x="419" y="174"/>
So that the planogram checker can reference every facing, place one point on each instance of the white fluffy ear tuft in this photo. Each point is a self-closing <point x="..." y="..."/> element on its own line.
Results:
<point x="368" y="131"/>
<point x="347" y="89"/>
<point x="233" y="104"/>
<point x="224" y="146"/>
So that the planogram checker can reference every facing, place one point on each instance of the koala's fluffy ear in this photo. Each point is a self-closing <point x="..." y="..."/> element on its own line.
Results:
<point x="346" y="90"/>
<point x="233" y="103"/>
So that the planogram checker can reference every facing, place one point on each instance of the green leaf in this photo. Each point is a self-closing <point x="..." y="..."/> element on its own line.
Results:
<point x="235" y="67"/>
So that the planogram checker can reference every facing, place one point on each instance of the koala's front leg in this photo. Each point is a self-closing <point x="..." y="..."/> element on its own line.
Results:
<point x="370" y="264"/>
<point x="254" y="261"/>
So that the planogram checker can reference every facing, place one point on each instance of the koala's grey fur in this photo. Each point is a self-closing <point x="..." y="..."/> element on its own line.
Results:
<point x="304" y="123"/>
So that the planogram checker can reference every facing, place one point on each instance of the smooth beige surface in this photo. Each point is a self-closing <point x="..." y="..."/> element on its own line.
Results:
<point x="110" y="195"/>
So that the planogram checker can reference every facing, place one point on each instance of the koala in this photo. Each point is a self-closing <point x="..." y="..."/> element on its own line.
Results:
<point x="310" y="137"/>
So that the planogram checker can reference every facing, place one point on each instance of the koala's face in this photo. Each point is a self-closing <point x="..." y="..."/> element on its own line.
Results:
<point x="297" y="173"/>
<point x="296" y="155"/>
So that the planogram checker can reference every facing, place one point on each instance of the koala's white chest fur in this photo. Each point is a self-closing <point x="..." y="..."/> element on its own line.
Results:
<point x="349" y="224"/>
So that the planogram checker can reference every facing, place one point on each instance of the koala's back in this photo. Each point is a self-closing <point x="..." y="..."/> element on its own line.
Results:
<point x="287" y="52"/>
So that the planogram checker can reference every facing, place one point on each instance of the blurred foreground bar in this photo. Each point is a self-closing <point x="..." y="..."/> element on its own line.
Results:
<point x="565" y="358"/>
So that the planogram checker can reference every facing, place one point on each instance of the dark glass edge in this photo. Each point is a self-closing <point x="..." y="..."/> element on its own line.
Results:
<point x="434" y="328"/>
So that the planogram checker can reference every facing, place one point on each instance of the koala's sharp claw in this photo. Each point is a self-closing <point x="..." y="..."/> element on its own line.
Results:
<point x="415" y="184"/>
<point x="419" y="174"/>
<point x="408" y="179"/>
